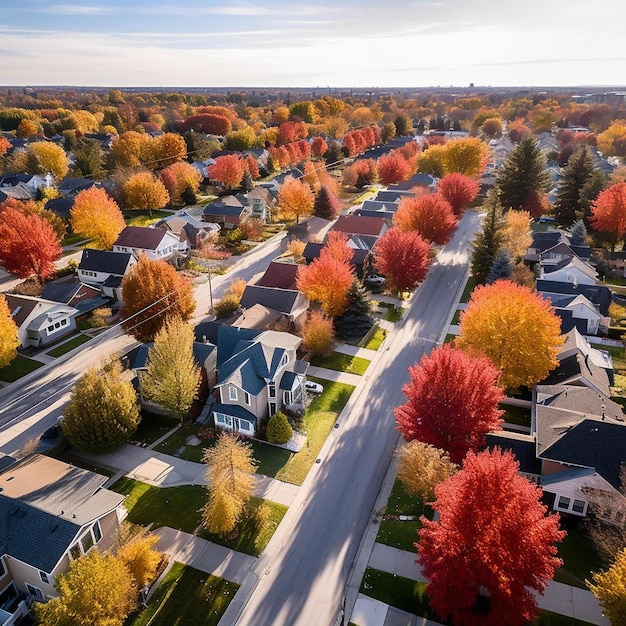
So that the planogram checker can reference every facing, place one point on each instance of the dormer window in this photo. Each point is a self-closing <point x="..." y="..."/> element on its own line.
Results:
<point x="232" y="394"/>
<point x="284" y="360"/>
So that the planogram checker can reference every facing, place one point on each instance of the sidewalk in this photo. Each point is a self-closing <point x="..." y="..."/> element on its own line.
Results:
<point x="334" y="375"/>
<point x="365" y="353"/>
<point x="163" y="470"/>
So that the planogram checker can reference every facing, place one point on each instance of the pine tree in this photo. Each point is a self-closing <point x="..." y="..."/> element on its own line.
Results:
<point x="578" y="234"/>
<point x="172" y="377"/>
<point x="278" y="428"/>
<point x="246" y="181"/>
<point x="522" y="175"/>
<point x="572" y="202"/>
<point x="501" y="267"/>
<point x="357" y="318"/>
<point x="333" y="154"/>
<point x="326" y="204"/>
<point x="488" y="241"/>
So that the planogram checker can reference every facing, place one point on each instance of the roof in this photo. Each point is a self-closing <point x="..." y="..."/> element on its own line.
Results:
<point x="600" y="295"/>
<point x="223" y="210"/>
<point x="281" y="275"/>
<point x="228" y="337"/>
<point x="67" y="292"/>
<point x="141" y="237"/>
<point x="377" y="205"/>
<point x="21" y="307"/>
<point x="207" y="331"/>
<point x="139" y="357"/>
<point x="417" y="180"/>
<point x="105" y="261"/>
<point x="572" y="263"/>
<point x="283" y="300"/>
<point x="257" y="316"/>
<point x="574" y="341"/>
<point x="388" y="195"/>
<point x="579" y="369"/>
<point x="235" y="411"/>
<point x="61" y="206"/>
<point x="522" y="446"/>
<point x="358" y="225"/>
<point x="72" y="184"/>
<point x="44" y="503"/>
<point x="312" y="250"/>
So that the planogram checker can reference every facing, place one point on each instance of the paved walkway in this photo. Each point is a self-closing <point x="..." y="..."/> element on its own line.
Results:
<point x="163" y="470"/>
<point x="365" y="353"/>
<point x="204" y="555"/>
<point x="334" y="375"/>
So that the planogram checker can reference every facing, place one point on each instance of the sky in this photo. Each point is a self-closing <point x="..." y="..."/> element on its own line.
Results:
<point x="319" y="43"/>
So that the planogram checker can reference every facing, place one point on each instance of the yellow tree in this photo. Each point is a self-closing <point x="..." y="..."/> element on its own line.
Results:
<point x="230" y="477"/>
<point x="317" y="334"/>
<point x="95" y="215"/>
<point x="466" y="156"/>
<point x="516" y="234"/>
<point x="26" y="128"/>
<point x="44" y="157"/>
<point x="97" y="589"/>
<point x="144" y="192"/>
<point x="140" y="557"/>
<point x="610" y="588"/>
<point x="128" y="149"/>
<point x="613" y="140"/>
<point x="421" y="467"/>
<point x="168" y="148"/>
<point x="9" y="340"/>
<point x="515" y="328"/>
<point x="433" y="161"/>
<point x="296" y="199"/>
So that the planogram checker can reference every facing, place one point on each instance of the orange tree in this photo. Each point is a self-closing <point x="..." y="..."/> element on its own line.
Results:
<point x="608" y="212"/>
<point x="95" y="215"/>
<point x="431" y="216"/>
<point x="295" y="198"/>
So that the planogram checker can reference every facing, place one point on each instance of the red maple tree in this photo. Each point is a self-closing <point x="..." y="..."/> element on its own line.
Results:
<point x="28" y="245"/>
<point x="452" y="401"/>
<point x="431" y="216"/>
<point x="608" y="212"/>
<point x="393" y="167"/>
<point x="207" y="123"/>
<point x="459" y="190"/>
<point x="319" y="146"/>
<point x="402" y="257"/>
<point x="492" y="547"/>
<point x="227" y="170"/>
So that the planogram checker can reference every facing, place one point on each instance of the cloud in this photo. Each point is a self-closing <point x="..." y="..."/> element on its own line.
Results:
<point x="76" y="9"/>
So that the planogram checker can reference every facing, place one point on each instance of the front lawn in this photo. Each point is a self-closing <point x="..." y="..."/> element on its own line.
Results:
<point x="401" y="533"/>
<point x="342" y="363"/>
<point x="71" y="239"/>
<point x="187" y="596"/>
<point x="319" y="419"/>
<point x="151" y="427"/>
<point x="177" y="507"/>
<point x="472" y="281"/>
<point x="143" y="218"/>
<point x="376" y="339"/>
<point x="18" y="367"/>
<point x="176" y="445"/>
<point x="66" y="347"/>
<point x="456" y="319"/>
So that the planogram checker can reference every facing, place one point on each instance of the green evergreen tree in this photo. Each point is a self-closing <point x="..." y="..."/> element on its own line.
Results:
<point x="357" y="318"/>
<point x="572" y="202"/>
<point x="590" y="191"/>
<point x="578" y="234"/>
<point x="522" y="175"/>
<point x="189" y="196"/>
<point x="246" y="181"/>
<point x="88" y="160"/>
<point x="404" y="125"/>
<point x="326" y="204"/>
<point x="501" y="267"/>
<point x="278" y="428"/>
<point x="333" y="154"/>
<point x="489" y="239"/>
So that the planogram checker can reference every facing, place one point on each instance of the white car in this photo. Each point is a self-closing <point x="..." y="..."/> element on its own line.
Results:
<point x="312" y="387"/>
<point x="375" y="279"/>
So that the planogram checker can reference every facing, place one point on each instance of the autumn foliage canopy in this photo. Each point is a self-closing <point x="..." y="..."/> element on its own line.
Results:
<point x="95" y="215"/>
<point x="452" y="401"/>
<point x="492" y="547"/>
<point x="609" y="211"/>
<point x="431" y="216"/>
<point x="459" y="190"/>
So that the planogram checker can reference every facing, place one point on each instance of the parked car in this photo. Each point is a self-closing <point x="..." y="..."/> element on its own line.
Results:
<point x="54" y="431"/>
<point x="375" y="279"/>
<point x="314" y="388"/>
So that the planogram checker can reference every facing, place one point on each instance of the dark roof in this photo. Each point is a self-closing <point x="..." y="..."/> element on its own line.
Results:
<point x="377" y="205"/>
<point x="355" y="224"/>
<point x="281" y="275"/>
<point x="569" y="322"/>
<point x="312" y="251"/>
<point x="375" y="213"/>
<point x="34" y="536"/>
<point x="283" y="300"/>
<point x="392" y="196"/>
<point x="600" y="295"/>
<point x="287" y="380"/>
<point x="228" y="337"/>
<point x="113" y="281"/>
<point x="207" y="331"/>
<point x="254" y="362"/>
<point x="20" y="307"/>
<point x="523" y="448"/>
<point x="65" y="292"/>
<point x="138" y="358"/>
<point x="61" y="206"/>
<point x="415" y="181"/>
<point x="235" y="411"/>
<point x="104" y="261"/>
<point x="141" y="237"/>
<point x="223" y="210"/>
<point x="75" y="184"/>
<point x="544" y="240"/>
<point x="578" y="366"/>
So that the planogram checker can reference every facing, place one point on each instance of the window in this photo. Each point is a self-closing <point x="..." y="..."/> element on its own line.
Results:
<point x="563" y="503"/>
<point x="219" y="418"/>
<point x="246" y="398"/>
<point x="44" y="577"/>
<point x="3" y="570"/>
<point x="284" y="360"/>
<point x="287" y="397"/>
<point x="34" y="591"/>
<point x="271" y="389"/>
<point x="578" y="506"/>
<point x="97" y="532"/>
<point x="75" y="551"/>
<point x="86" y="542"/>
<point x="232" y="394"/>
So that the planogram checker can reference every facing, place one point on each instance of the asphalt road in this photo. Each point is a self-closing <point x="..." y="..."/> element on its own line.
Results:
<point x="302" y="583"/>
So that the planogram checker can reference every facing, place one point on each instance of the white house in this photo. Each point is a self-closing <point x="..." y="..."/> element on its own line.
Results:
<point x="105" y="269"/>
<point x="155" y="243"/>
<point x="570" y="270"/>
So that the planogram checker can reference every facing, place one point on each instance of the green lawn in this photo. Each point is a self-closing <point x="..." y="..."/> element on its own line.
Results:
<point x="410" y="596"/>
<point x="176" y="445"/>
<point x="469" y="287"/>
<point x="187" y="596"/>
<point x="401" y="533"/>
<point x="449" y="338"/>
<point x="376" y="339"/>
<point x="143" y="218"/>
<point x="516" y="415"/>
<point x="152" y="427"/>
<point x="319" y="418"/>
<point x="66" y="347"/>
<point x="456" y="318"/>
<point x="84" y="324"/>
<point x="19" y="366"/>
<point x="394" y="313"/>
<point x="72" y="238"/>
<point x="342" y="363"/>
<point x="177" y="507"/>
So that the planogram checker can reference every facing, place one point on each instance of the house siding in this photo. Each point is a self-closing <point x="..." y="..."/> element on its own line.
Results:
<point x="23" y="574"/>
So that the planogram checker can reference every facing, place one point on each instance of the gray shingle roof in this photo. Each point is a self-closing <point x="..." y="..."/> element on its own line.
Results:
<point x="104" y="261"/>
<point x="283" y="300"/>
<point x="235" y="411"/>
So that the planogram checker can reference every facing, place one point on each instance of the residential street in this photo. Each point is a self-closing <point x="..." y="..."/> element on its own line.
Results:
<point x="302" y="576"/>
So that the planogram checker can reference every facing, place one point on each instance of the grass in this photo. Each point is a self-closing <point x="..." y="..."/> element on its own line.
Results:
<point x="401" y="533"/>
<point x="376" y="339"/>
<point x="250" y="540"/>
<point x="410" y="596"/>
<point x="469" y="287"/>
<point x="319" y="419"/>
<point x="143" y="218"/>
<point x="18" y="367"/>
<point x="84" y="324"/>
<point x="449" y="337"/>
<point x="152" y="427"/>
<point x="176" y="445"/>
<point x="342" y="363"/>
<point x="187" y="596"/>
<point x="516" y="415"/>
<point x="72" y="238"/>
<point x="66" y="347"/>
<point x="394" y="313"/>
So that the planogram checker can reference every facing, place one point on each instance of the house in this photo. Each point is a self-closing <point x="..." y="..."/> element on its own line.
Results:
<point x="569" y="270"/>
<point x="84" y="298"/>
<point x="258" y="374"/>
<point x="289" y="302"/>
<point x="387" y="195"/>
<point x="577" y="311"/>
<point x="18" y="192"/>
<point x="71" y="187"/>
<point x="363" y="226"/>
<point x="191" y="233"/>
<point x="106" y="270"/>
<point x="156" y="243"/>
<point x="425" y="181"/>
<point x="40" y="322"/>
<point x="229" y="214"/>
<point x="599" y="295"/>
<point x="51" y="513"/>
<point x="61" y="206"/>
<point x="580" y="370"/>
<point x="552" y="246"/>
<point x="32" y="182"/>
<point x="361" y="253"/>
<point x="260" y="317"/>
<point x="281" y="275"/>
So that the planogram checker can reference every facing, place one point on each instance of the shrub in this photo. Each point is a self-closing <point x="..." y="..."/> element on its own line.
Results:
<point x="100" y="317"/>
<point x="226" y="306"/>
<point x="279" y="429"/>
